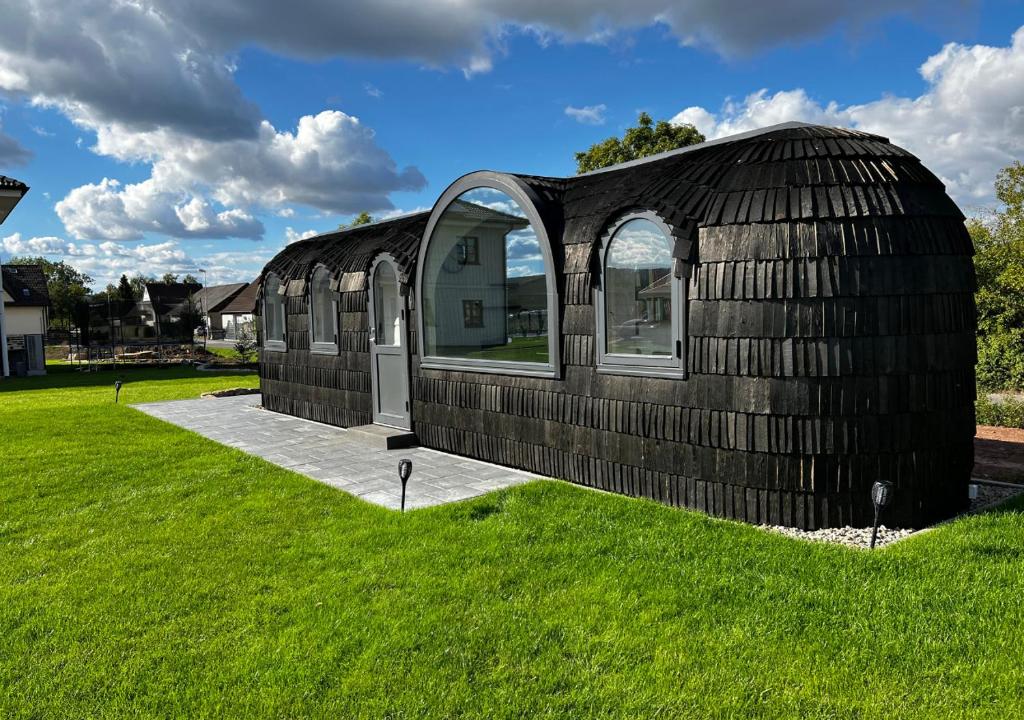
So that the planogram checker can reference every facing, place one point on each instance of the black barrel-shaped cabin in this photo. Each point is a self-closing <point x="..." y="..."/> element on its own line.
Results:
<point x="758" y="327"/>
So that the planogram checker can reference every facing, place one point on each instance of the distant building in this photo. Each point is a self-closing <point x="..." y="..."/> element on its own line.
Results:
<point x="211" y="301"/>
<point x="11" y="193"/>
<point x="26" y="318"/>
<point x="238" y="313"/>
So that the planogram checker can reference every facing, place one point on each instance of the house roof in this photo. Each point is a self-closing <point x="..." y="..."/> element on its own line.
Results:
<point x="243" y="303"/>
<point x="26" y="284"/>
<point x="213" y="297"/>
<point x="9" y="183"/>
<point x="793" y="173"/>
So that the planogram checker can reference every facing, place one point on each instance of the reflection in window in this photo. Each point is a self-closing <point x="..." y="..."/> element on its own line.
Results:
<point x="472" y="313"/>
<point x="323" y="315"/>
<point x="273" y="311"/>
<point x="638" y="291"/>
<point x="484" y="286"/>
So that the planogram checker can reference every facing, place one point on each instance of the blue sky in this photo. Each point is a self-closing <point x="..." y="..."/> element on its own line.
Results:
<point x="180" y="138"/>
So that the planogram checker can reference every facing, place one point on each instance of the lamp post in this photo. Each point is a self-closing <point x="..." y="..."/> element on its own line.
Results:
<point x="404" y="471"/>
<point x="881" y="495"/>
<point x="202" y="307"/>
<point x="117" y="391"/>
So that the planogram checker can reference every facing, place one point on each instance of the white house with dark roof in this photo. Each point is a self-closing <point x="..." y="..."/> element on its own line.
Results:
<point x="11" y="193"/>
<point x="26" y="318"/>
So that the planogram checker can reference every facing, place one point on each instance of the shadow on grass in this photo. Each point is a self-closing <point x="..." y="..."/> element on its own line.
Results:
<point x="66" y="376"/>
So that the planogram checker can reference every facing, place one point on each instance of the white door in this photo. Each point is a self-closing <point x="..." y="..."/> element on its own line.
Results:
<point x="389" y="352"/>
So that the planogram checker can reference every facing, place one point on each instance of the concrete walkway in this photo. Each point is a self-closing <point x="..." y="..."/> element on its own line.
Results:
<point x="332" y="456"/>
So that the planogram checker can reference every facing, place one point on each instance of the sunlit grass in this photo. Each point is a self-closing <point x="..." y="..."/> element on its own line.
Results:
<point x="150" y="572"/>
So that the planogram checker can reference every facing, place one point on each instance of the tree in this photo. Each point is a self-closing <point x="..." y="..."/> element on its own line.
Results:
<point x="124" y="289"/>
<point x="138" y="282"/>
<point x="245" y="345"/>
<point x="363" y="218"/>
<point x="647" y="138"/>
<point x="191" y="279"/>
<point x="999" y="264"/>
<point x="66" y="286"/>
<point x="169" y="278"/>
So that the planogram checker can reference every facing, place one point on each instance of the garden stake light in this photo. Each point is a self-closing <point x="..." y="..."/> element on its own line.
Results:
<point x="881" y="494"/>
<point x="404" y="471"/>
<point x="117" y="391"/>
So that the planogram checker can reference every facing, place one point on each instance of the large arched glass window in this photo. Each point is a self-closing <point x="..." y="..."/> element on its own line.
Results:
<point x="641" y="299"/>
<point x="323" y="313"/>
<point x="487" y="288"/>
<point x="273" y="315"/>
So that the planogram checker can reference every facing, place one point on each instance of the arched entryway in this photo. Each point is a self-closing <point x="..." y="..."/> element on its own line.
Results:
<point x="389" y="346"/>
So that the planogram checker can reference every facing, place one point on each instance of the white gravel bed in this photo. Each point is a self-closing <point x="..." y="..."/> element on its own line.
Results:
<point x="988" y="496"/>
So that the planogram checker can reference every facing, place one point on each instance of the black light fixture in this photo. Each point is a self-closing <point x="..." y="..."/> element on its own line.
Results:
<point x="404" y="471"/>
<point x="881" y="495"/>
<point x="117" y="390"/>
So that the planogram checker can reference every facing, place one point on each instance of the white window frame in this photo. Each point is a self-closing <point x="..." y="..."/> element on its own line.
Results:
<point x="528" y="201"/>
<point x="275" y="345"/>
<point x="322" y="348"/>
<point x="673" y="366"/>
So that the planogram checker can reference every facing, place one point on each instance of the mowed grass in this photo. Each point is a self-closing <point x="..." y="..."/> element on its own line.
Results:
<point x="147" y="571"/>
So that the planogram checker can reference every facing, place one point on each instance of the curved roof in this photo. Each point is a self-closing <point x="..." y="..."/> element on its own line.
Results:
<point x="788" y="172"/>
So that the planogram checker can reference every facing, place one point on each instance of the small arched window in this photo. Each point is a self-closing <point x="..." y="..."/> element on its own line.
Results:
<point x="273" y="315"/>
<point x="641" y="301"/>
<point x="323" y="313"/>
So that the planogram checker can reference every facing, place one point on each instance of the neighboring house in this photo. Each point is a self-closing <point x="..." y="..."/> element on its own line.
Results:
<point x="164" y="304"/>
<point x="26" y="318"/>
<point x="211" y="301"/>
<point x="11" y="193"/>
<point x="758" y="327"/>
<point x="238" y="314"/>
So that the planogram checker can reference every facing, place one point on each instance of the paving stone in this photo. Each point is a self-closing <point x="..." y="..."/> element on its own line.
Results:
<point x="331" y="456"/>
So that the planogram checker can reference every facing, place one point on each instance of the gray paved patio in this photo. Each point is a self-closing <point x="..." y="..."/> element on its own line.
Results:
<point x="332" y="456"/>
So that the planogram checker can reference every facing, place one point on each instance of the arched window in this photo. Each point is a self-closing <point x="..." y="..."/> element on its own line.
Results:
<point x="641" y="300"/>
<point x="323" y="313"/>
<point x="487" y="291"/>
<point x="273" y="315"/>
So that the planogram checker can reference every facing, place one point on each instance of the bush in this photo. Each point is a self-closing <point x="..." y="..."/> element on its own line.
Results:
<point x="1005" y="412"/>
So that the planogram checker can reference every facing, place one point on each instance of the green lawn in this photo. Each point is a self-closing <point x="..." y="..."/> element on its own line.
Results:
<point x="149" y="572"/>
<point x="525" y="349"/>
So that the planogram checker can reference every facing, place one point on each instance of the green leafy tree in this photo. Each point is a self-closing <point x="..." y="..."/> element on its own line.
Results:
<point x="647" y="138"/>
<point x="138" y="283"/>
<point x="124" y="289"/>
<point x="191" y="279"/>
<point x="66" y="285"/>
<point x="363" y="218"/>
<point x="169" y="278"/>
<point x="999" y="264"/>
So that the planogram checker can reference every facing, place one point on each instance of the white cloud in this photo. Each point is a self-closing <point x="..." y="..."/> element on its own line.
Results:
<point x="966" y="126"/>
<point x="108" y="211"/>
<point x="106" y="261"/>
<point x="588" y="114"/>
<point x="331" y="162"/>
<point x="291" y="235"/>
<point x="373" y="91"/>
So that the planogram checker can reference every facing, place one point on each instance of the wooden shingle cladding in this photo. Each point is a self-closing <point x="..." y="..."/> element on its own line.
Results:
<point x="830" y="339"/>
<point x="333" y="389"/>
